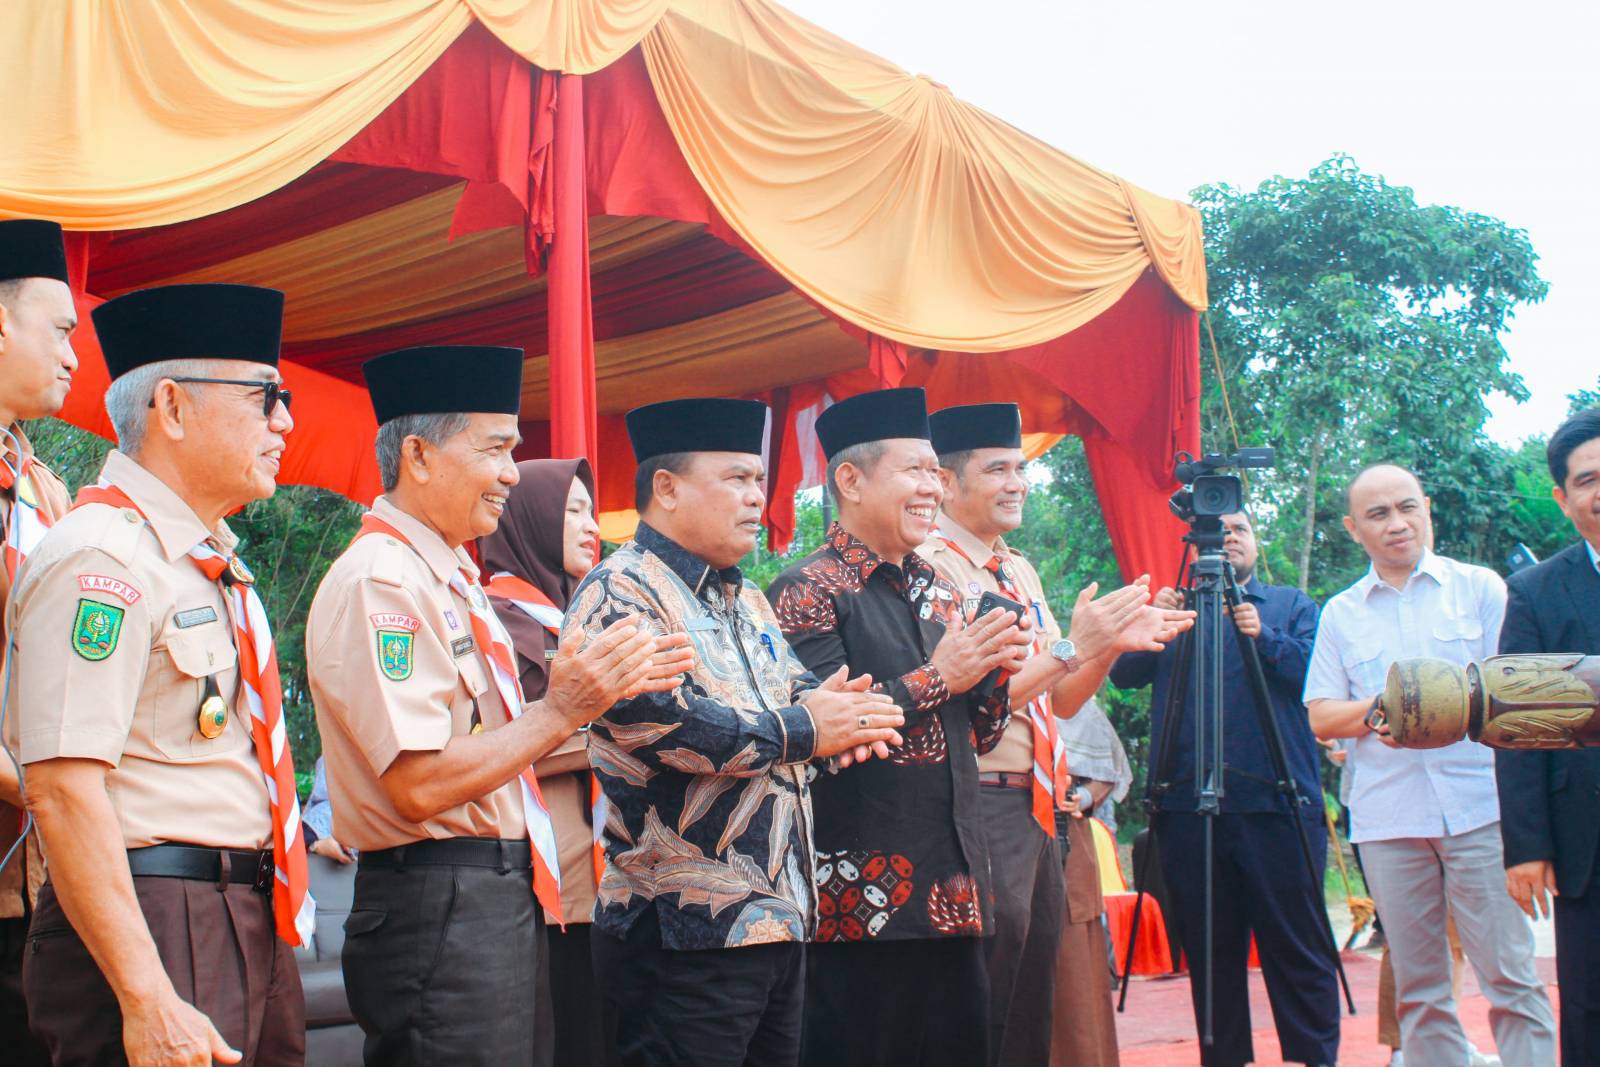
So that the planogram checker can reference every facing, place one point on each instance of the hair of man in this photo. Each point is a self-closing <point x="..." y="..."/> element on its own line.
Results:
<point x="11" y="292"/>
<point x="128" y="398"/>
<point x="644" y="480"/>
<point x="862" y="456"/>
<point x="435" y="427"/>
<point x="1578" y="430"/>
<point x="956" y="463"/>
<point x="1350" y="486"/>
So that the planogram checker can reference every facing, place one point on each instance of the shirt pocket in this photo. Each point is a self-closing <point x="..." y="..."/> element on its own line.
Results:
<point x="1364" y="666"/>
<point x="187" y="660"/>
<point x="475" y="686"/>
<point x="1457" y="636"/>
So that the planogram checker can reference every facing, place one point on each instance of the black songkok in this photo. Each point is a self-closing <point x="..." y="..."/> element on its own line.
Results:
<point x="697" y="424"/>
<point x="970" y="426"/>
<point x="440" y="379"/>
<point x="31" y="248"/>
<point x="242" y="322"/>
<point x="876" y="416"/>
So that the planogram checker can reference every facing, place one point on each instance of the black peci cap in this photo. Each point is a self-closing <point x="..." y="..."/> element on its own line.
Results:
<point x="32" y="248"/>
<point x="243" y="322"/>
<point x="969" y="426"/>
<point x="876" y="416"/>
<point x="436" y="379"/>
<point x="697" y="424"/>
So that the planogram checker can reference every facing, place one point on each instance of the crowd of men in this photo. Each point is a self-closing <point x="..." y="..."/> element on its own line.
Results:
<point x="831" y="822"/>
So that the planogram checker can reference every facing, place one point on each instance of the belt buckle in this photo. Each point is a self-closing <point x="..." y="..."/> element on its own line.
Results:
<point x="266" y="873"/>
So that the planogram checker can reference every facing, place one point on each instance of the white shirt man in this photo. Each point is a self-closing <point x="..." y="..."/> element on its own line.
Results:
<point x="1427" y="821"/>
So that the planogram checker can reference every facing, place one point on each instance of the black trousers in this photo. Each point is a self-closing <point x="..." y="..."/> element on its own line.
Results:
<point x="22" y="1049"/>
<point x="1261" y="887"/>
<point x="731" y="1007"/>
<point x="906" y="1003"/>
<point x="577" y="1030"/>
<point x="1578" y="975"/>
<point x="439" y="965"/>
<point x="1030" y="898"/>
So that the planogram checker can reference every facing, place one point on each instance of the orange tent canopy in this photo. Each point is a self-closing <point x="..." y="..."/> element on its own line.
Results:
<point x="738" y="204"/>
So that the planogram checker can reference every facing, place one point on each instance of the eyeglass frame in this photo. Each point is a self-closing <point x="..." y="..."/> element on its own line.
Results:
<point x="272" y="392"/>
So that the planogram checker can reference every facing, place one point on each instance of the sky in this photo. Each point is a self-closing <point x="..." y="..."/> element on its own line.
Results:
<point x="1490" y="107"/>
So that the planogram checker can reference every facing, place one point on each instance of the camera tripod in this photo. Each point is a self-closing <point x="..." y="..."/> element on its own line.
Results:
<point x="1211" y="584"/>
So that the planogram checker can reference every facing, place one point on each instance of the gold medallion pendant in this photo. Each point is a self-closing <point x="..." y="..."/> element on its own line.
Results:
<point x="213" y="718"/>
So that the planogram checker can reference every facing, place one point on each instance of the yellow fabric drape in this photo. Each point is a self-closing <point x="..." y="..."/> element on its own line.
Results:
<point x="131" y="113"/>
<point x="889" y="201"/>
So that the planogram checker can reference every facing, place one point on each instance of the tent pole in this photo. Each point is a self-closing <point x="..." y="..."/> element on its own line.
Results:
<point x="571" y="324"/>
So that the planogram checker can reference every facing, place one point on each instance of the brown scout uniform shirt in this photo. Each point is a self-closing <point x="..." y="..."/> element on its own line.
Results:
<point x="1014" y="753"/>
<point x="394" y="668"/>
<point x="117" y="631"/>
<point x="54" y="502"/>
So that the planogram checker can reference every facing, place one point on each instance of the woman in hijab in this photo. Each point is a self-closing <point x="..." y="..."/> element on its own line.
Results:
<point x="547" y="541"/>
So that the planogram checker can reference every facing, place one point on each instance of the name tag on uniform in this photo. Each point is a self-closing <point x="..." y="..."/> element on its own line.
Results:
<point x="195" y="617"/>
<point x="702" y="623"/>
<point x="461" y="646"/>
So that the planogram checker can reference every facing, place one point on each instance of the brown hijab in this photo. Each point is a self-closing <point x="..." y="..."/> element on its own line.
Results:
<point x="528" y="544"/>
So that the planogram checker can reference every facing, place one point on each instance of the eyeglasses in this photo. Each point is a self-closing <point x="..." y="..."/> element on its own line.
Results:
<point x="273" y="393"/>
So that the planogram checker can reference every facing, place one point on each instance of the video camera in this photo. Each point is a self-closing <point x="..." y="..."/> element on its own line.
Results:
<point x="1207" y="494"/>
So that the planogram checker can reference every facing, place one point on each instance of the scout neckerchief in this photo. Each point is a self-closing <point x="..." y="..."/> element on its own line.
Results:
<point x="28" y="519"/>
<point x="532" y="601"/>
<point x="293" y="908"/>
<point x="492" y="638"/>
<point x="1050" y="777"/>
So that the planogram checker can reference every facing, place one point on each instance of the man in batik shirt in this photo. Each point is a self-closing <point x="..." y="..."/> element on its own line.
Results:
<point x="706" y="902"/>
<point x="897" y="973"/>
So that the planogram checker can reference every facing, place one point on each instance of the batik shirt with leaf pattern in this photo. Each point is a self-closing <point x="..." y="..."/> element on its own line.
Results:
<point x="901" y="848"/>
<point x="710" y="817"/>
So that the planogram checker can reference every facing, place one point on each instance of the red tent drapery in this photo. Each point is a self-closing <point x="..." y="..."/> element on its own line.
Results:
<point x="545" y="154"/>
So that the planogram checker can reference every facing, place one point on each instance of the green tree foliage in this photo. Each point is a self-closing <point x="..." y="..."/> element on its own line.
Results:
<point x="1353" y="325"/>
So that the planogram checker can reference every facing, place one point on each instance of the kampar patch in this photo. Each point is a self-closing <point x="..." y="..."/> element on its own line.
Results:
<point x="394" y="620"/>
<point x="100" y="583"/>
<point x="96" y="629"/>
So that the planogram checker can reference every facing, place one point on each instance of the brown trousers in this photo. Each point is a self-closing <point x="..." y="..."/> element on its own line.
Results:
<point x="219" y="949"/>
<point x="1085" y="1031"/>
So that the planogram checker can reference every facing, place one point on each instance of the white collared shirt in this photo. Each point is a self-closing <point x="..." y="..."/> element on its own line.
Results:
<point x="1447" y="610"/>
<point x="1594" y="555"/>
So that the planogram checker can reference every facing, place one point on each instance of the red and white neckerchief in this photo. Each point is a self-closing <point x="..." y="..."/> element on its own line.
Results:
<point x="294" y="910"/>
<point x="490" y="635"/>
<point x="28" y="519"/>
<point x="1051" y="779"/>
<point x="532" y="601"/>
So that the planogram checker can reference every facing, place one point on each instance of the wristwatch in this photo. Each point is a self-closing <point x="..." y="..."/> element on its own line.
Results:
<point x="1064" y="650"/>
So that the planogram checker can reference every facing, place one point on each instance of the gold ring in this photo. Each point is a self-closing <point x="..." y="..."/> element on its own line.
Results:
<point x="862" y="722"/>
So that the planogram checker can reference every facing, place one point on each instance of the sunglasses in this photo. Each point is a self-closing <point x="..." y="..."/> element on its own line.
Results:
<point x="273" y="393"/>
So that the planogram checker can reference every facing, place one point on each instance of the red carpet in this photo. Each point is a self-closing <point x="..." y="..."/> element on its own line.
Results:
<point x="1157" y="1030"/>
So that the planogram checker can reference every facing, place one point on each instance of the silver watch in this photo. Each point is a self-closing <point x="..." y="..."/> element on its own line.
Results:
<point x="1064" y="650"/>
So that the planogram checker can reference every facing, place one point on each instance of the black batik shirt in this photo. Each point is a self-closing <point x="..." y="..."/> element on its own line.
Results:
<point x="709" y="819"/>
<point x="901" y="852"/>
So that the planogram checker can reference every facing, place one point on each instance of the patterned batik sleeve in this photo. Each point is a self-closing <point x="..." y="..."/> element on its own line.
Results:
<point x="684" y="729"/>
<point x="990" y="717"/>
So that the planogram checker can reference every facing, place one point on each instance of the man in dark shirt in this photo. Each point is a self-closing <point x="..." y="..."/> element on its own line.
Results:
<point x="1261" y="884"/>
<point x="706" y="900"/>
<point x="897" y="974"/>
<point x="1548" y="800"/>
